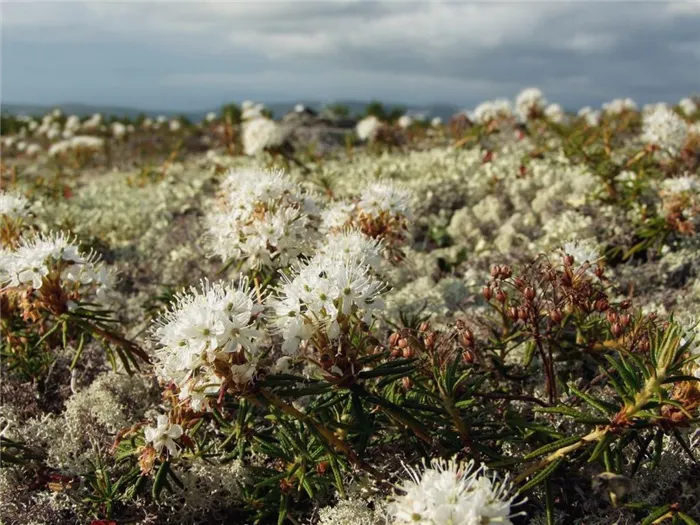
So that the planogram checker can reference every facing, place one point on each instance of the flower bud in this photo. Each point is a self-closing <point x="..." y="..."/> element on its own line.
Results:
<point x="468" y="357"/>
<point x="611" y="316"/>
<point x="569" y="260"/>
<point x="394" y="339"/>
<point x="501" y="296"/>
<point x="601" y="305"/>
<point x="408" y="352"/>
<point x="644" y="345"/>
<point x="522" y="314"/>
<point x="625" y="319"/>
<point x="624" y="305"/>
<point x="487" y="292"/>
<point x="424" y="327"/>
<point x="617" y="329"/>
<point x="512" y="312"/>
<point x="407" y="383"/>
<point x="467" y="338"/>
<point x="396" y="352"/>
<point x="519" y="283"/>
<point x="506" y="271"/>
<point x="599" y="272"/>
<point x="495" y="271"/>
<point x="556" y="316"/>
<point x="529" y="293"/>
<point x="403" y="343"/>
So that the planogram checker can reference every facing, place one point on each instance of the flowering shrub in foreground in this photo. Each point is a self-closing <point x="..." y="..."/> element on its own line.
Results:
<point x="494" y="322"/>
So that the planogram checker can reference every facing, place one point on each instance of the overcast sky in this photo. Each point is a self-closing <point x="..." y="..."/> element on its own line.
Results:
<point x="189" y="56"/>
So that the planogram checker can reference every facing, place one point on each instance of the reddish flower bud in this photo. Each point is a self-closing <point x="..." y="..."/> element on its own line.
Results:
<point x="644" y="345"/>
<point x="529" y="293"/>
<point x="522" y="314"/>
<point x="403" y="343"/>
<point x="617" y="329"/>
<point x="407" y="383"/>
<point x="569" y="260"/>
<point x="624" y="305"/>
<point x="601" y="305"/>
<point x="394" y="339"/>
<point x="408" y="352"/>
<point x="467" y="338"/>
<point x="625" y="319"/>
<point x="519" y="282"/>
<point x="556" y="316"/>
<point x="501" y="296"/>
<point x="611" y="316"/>
<point x="487" y="292"/>
<point x="495" y="271"/>
<point x="599" y="272"/>
<point x="424" y="327"/>
<point x="468" y="356"/>
<point x="512" y="312"/>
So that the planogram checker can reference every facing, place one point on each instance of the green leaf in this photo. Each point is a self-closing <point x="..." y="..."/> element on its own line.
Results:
<point x="551" y="447"/>
<point x="656" y="514"/>
<point x="160" y="479"/>
<point x="541" y="476"/>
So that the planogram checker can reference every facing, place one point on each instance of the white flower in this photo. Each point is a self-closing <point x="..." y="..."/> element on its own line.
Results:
<point x="337" y="216"/>
<point x="405" y="121"/>
<point x="528" y="100"/>
<point x="265" y="220"/>
<point x="175" y="125"/>
<point x="13" y="204"/>
<point x="210" y="117"/>
<point x="163" y="435"/>
<point x="665" y="129"/>
<point x="310" y="301"/>
<point x="619" y="105"/>
<point x="583" y="252"/>
<point x="688" y="106"/>
<point x="452" y="493"/>
<point x="119" y="130"/>
<point x="204" y="326"/>
<point x="352" y="245"/>
<point x="555" y="113"/>
<point x="385" y="197"/>
<point x="368" y="127"/>
<point x="492" y="110"/>
<point x="436" y="122"/>
<point x="686" y="183"/>
<point x="260" y="133"/>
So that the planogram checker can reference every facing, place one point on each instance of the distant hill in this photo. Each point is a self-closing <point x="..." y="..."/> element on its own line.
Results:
<point x="278" y="109"/>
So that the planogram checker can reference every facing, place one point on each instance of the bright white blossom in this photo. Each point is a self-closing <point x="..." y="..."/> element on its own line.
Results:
<point x="405" y="121"/>
<point x="665" y="129"/>
<point x="264" y="220"/>
<point x="619" y="106"/>
<point x="259" y="134"/>
<point x="529" y="100"/>
<point x="385" y="197"/>
<point x="13" y="204"/>
<point x="555" y="113"/>
<point x="686" y="183"/>
<point x="163" y="435"/>
<point x="583" y="251"/>
<point x="492" y="110"/>
<point x="310" y="302"/>
<point x="452" y="493"/>
<point x="688" y="106"/>
<point x="368" y="127"/>
<point x="44" y="254"/>
<point x="214" y="324"/>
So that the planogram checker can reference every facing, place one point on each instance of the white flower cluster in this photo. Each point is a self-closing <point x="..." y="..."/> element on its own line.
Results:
<point x="452" y="493"/>
<point x="405" y="121"/>
<point x="619" y="106"/>
<point x="590" y="115"/>
<point x="206" y="333"/>
<point x="688" y="106"/>
<point x="385" y="197"/>
<point x="266" y="221"/>
<point x="260" y="133"/>
<point x="41" y="255"/>
<point x="77" y="143"/>
<point x="686" y="183"/>
<point x="665" y="129"/>
<point x="322" y="292"/>
<point x="555" y="113"/>
<point x="529" y="100"/>
<point x="13" y="205"/>
<point x="368" y="127"/>
<point x="492" y="110"/>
